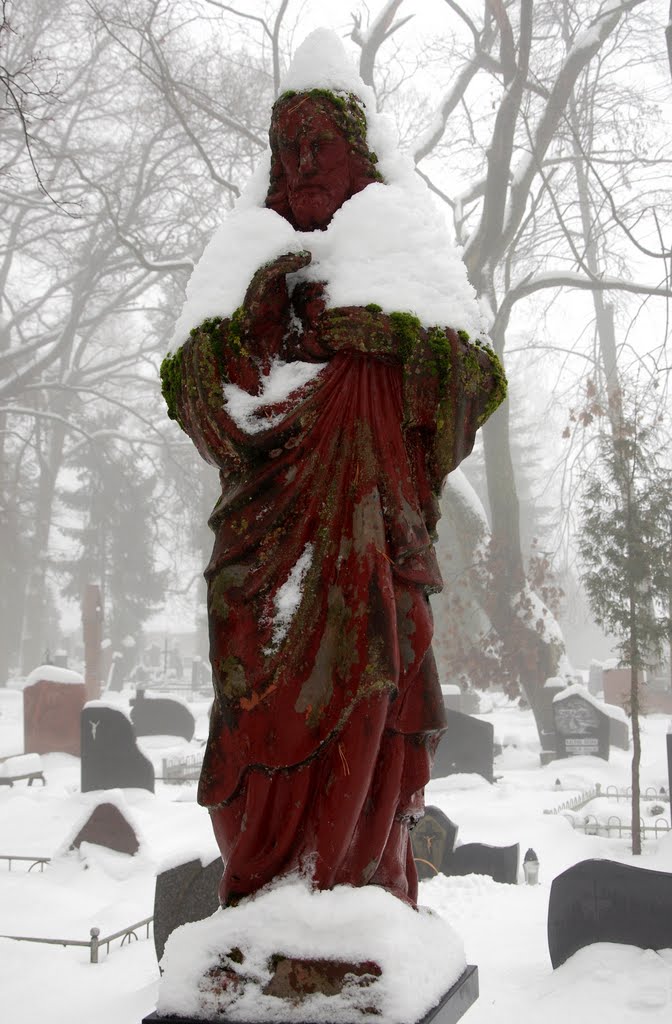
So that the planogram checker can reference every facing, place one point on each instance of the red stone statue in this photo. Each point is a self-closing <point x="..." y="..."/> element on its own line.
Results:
<point x="324" y="720"/>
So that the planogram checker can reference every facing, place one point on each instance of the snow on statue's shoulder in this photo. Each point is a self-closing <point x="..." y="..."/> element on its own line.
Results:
<point x="248" y="238"/>
<point x="388" y="244"/>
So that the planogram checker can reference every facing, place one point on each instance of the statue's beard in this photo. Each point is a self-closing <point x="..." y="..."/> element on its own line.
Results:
<point x="314" y="205"/>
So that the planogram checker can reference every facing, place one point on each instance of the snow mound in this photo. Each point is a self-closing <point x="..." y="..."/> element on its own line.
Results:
<point x="420" y="955"/>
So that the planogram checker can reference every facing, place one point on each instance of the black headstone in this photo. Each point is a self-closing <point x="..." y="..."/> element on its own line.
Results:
<point x="580" y="727"/>
<point x="183" y="894"/>
<point x="432" y="842"/>
<point x="467" y="746"/>
<point x="603" y="901"/>
<point x="161" y="716"/>
<point x="110" y="755"/>
<point x="499" y="862"/>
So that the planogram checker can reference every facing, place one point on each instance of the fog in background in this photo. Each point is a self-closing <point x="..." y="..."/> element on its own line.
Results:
<point x="129" y="128"/>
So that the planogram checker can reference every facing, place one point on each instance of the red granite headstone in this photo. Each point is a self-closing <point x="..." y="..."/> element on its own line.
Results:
<point x="52" y="705"/>
<point x="107" y="826"/>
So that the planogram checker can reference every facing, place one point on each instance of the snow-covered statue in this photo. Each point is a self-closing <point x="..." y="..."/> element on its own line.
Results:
<point x="319" y="376"/>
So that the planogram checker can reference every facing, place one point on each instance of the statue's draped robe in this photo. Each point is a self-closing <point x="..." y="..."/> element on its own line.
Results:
<point x="324" y="721"/>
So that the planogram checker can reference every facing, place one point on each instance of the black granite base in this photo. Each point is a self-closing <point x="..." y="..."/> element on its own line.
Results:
<point x="448" y="1010"/>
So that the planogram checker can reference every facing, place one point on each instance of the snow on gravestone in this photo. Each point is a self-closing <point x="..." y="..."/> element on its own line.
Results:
<point x="52" y="702"/>
<point x="110" y="755"/>
<point x="582" y="724"/>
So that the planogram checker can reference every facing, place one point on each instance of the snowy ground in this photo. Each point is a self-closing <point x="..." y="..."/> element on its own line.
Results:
<point x="503" y="927"/>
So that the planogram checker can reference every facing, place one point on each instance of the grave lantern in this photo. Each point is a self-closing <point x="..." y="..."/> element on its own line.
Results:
<point x="531" y="867"/>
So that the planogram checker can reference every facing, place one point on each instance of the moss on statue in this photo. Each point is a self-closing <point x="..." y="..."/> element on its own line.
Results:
<point x="171" y="383"/>
<point x="498" y="393"/>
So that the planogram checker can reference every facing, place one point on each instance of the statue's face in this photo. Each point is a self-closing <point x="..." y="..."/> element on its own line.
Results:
<point x="315" y="156"/>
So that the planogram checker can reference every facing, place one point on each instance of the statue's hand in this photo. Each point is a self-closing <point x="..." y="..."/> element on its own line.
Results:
<point x="268" y="287"/>
<point x="266" y="307"/>
<point x="358" y="329"/>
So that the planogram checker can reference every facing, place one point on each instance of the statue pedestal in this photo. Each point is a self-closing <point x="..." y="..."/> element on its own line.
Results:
<point x="448" y="1010"/>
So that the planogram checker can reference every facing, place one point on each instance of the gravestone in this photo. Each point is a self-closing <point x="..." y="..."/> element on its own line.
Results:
<point x="581" y="726"/>
<point x="110" y="755"/>
<point x="603" y="901"/>
<point x="432" y="842"/>
<point x="183" y="894"/>
<point x="499" y="862"/>
<point x="161" y="716"/>
<point x="107" y="826"/>
<point x="551" y="688"/>
<point x="467" y="746"/>
<point x="434" y="851"/>
<point x="53" y="699"/>
<point x="669" y="767"/>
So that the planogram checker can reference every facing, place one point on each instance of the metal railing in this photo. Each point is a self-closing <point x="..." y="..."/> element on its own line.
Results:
<point x="650" y="793"/>
<point x="575" y="803"/>
<point x="94" y="942"/>
<point x="175" y="770"/>
<point x="591" y="826"/>
<point x="34" y="861"/>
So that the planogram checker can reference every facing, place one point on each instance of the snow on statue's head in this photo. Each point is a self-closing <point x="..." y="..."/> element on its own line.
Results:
<point x="318" y="135"/>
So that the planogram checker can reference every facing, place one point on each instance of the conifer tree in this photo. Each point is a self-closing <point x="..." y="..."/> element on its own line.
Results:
<point x="625" y="547"/>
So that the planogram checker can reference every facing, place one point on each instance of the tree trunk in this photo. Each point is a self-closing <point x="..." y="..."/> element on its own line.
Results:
<point x="534" y="657"/>
<point x="636" y="758"/>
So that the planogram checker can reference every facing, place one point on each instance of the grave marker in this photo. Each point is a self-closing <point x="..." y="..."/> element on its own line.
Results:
<point x="161" y="716"/>
<point x="432" y="842"/>
<point x="499" y="862"/>
<point x="52" y="702"/>
<point x="185" y="893"/>
<point x="467" y="746"/>
<point x="110" y="755"/>
<point x="434" y="851"/>
<point x="581" y="726"/>
<point x="106" y="826"/>
<point x="603" y="901"/>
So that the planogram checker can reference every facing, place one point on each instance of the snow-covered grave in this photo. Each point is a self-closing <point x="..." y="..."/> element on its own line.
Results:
<point x="502" y="927"/>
